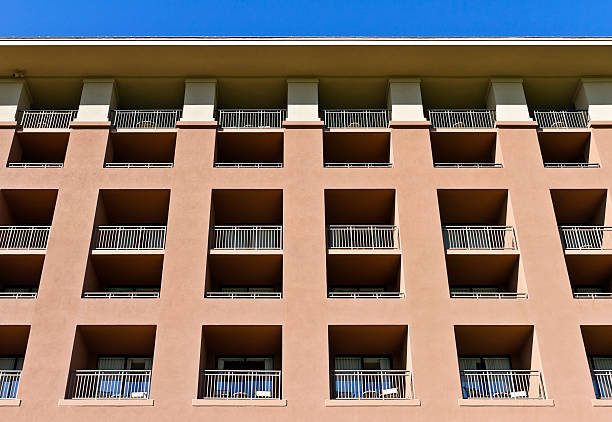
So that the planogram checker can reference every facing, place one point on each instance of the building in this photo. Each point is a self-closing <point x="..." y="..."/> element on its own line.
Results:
<point x="305" y="229"/>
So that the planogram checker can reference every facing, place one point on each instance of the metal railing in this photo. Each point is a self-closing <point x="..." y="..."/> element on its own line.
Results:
<point x="387" y="384"/>
<point x="462" y="119"/>
<point x="252" y="119"/>
<point x="488" y="295"/>
<point x="561" y="119"/>
<point x="120" y="295"/>
<point x="586" y="237"/>
<point x="336" y="119"/>
<point x="365" y="295"/>
<point x="47" y="119"/>
<point x="230" y="385"/>
<point x="110" y="384"/>
<point x="592" y="295"/>
<point x="129" y="237"/>
<point x="502" y="384"/>
<point x="479" y="237"/>
<point x="145" y="119"/>
<point x="36" y="165"/>
<point x="24" y="237"/>
<point x="245" y="295"/>
<point x="18" y="295"/>
<point x="9" y="383"/>
<point x="572" y="165"/>
<point x="602" y="383"/>
<point x="362" y="237"/>
<point x="249" y="165"/>
<point x="247" y="237"/>
<point x="358" y="165"/>
<point x="468" y="165"/>
<point x="137" y="165"/>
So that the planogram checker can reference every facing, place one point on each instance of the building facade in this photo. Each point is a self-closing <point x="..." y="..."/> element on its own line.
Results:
<point x="305" y="229"/>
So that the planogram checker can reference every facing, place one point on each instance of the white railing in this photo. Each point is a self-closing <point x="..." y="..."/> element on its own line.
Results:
<point x="592" y="295"/>
<point x="462" y="119"/>
<point x="110" y="384"/>
<point x="365" y="295"/>
<point x="137" y="165"/>
<point x="468" y="165"/>
<point x="358" y="165"/>
<point x="250" y="385"/>
<point x="562" y="119"/>
<point x="47" y="119"/>
<point x="36" y="165"/>
<point x="129" y="237"/>
<point x="572" y="165"/>
<point x="388" y="384"/>
<point x="253" y="119"/>
<point x="9" y="383"/>
<point x="362" y="237"/>
<point x="336" y="119"/>
<point x="18" y="295"/>
<point x="121" y="295"/>
<point x="146" y="119"/>
<point x="488" y="295"/>
<point x="24" y="237"/>
<point x="247" y="237"/>
<point x="502" y="384"/>
<point x="249" y="165"/>
<point x="602" y="382"/>
<point x="245" y="295"/>
<point x="479" y="237"/>
<point x="586" y="237"/>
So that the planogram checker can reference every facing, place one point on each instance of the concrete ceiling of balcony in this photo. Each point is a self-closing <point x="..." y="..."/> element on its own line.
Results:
<point x="247" y="206"/>
<point x="597" y="339"/>
<point x="127" y="270"/>
<point x="21" y="270"/>
<point x="579" y="206"/>
<point x="589" y="270"/>
<point x="360" y="206"/>
<point x="14" y="339"/>
<point x="473" y="206"/>
<point x="253" y="270"/>
<point x="369" y="270"/>
<point x="27" y="206"/>
<point x="117" y="339"/>
<point x="242" y="339"/>
<point x="367" y="339"/>
<point x="132" y="206"/>
<point x="480" y="270"/>
<point x="492" y="339"/>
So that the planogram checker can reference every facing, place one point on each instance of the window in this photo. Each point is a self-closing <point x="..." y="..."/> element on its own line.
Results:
<point x="243" y="363"/>
<point x="247" y="289"/>
<point x="14" y="363"/>
<point x="474" y="289"/>
<point x="485" y="363"/>
<point x="121" y="363"/>
<point x="362" y="363"/>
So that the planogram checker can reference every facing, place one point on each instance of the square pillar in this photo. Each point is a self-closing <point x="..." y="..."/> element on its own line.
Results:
<point x="595" y="96"/>
<point x="200" y="100"/>
<point x="507" y="98"/>
<point x="98" y="98"/>
<point x="14" y="96"/>
<point x="404" y="100"/>
<point x="303" y="100"/>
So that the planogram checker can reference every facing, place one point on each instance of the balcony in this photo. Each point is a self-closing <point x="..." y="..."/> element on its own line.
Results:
<point x="479" y="238"/>
<point x="372" y="385"/>
<point x="244" y="276"/>
<point x="502" y="384"/>
<point x="602" y="382"/>
<point x="20" y="276"/>
<point x="129" y="238"/>
<point x="365" y="149"/>
<point x="598" y="348"/>
<point x="110" y="384"/>
<point x="362" y="237"/>
<point x="140" y="150"/>
<point x="12" y="352"/>
<point x="565" y="141"/>
<point x="590" y="275"/>
<point x="24" y="237"/>
<point x="46" y="119"/>
<point x="9" y="383"/>
<point x="364" y="276"/>
<point x="36" y="148"/>
<point x="561" y="119"/>
<point x="251" y="118"/>
<point x="248" y="237"/>
<point x="462" y="119"/>
<point x="145" y="119"/>
<point x="585" y="238"/>
<point x="245" y="384"/>
<point x="452" y="149"/>
<point x="356" y="119"/>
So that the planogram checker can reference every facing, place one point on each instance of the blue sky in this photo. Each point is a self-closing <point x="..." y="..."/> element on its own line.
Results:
<point x="306" y="18"/>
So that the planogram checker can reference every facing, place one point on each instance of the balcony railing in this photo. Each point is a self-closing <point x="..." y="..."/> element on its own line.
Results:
<point x="572" y="165"/>
<point x="146" y="119"/>
<point x="18" y="295"/>
<point x="249" y="165"/>
<point x="24" y="237"/>
<point x="251" y="119"/>
<point x="462" y="119"/>
<point x="592" y="295"/>
<point x="110" y="384"/>
<point x="9" y="384"/>
<point x="47" y="119"/>
<point x="120" y="295"/>
<point x="371" y="384"/>
<point x="337" y="119"/>
<point x="36" y="165"/>
<point x="129" y="237"/>
<point x="250" y="385"/>
<point x="602" y="382"/>
<point x="358" y="165"/>
<point x="502" y="384"/>
<point x="362" y="237"/>
<point x="248" y="237"/>
<point x="586" y="237"/>
<point x="479" y="237"/>
<point x="468" y="165"/>
<point x="137" y="165"/>
<point x="365" y="295"/>
<point x="245" y="295"/>
<point x="488" y="295"/>
<point x="562" y="119"/>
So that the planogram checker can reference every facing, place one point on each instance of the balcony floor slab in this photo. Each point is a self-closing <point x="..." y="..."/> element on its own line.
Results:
<point x="10" y="402"/>
<point x="506" y="403"/>
<point x="238" y="403"/>
<point x="371" y="403"/>
<point x="104" y="403"/>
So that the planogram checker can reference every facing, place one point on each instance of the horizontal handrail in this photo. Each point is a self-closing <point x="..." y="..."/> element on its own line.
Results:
<point x="246" y="385"/>
<point x="110" y="384"/>
<point x="462" y="119"/>
<point x="592" y="295"/>
<point x="18" y="295"/>
<point x="363" y="118"/>
<point x="561" y="119"/>
<point x="249" y="165"/>
<point x="36" y="165"/>
<point x="247" y="237"/>
<point x="24" y="237"/>
<point x="245" y="295"/>
<point x="129" y="237"/>
<point x="389" y="384"/>
<point x="47" y="119"/>
<point x="9" y="383"/>
<point x="358" y="165"/>
<point x="362" y="237"/>
<point x="365" y="295"/>
<point x="137" y="165"/>
<point x="488" y="295"/>
<point x="586" y="237"/>
<point x="572" y="165"/>
<point x="602" y="383"/>
<point x="468" y="165"/>
<point x="502" y="384"/>
<point x="145" y="119"/>
<point x="251" y="118"/>
<point x="121" y="295"/>
<point x="479" y="237"/>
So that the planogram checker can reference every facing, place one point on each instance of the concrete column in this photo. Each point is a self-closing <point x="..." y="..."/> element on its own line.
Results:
<point x="98" y="98"/>
<point x="507" y="98"/>
<point x="14" y="96"/>
<point x="200" y="100"/>
<point x="404" y="100"/>
<point x="303" y="100"/>
<point x="595" y="96"/>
